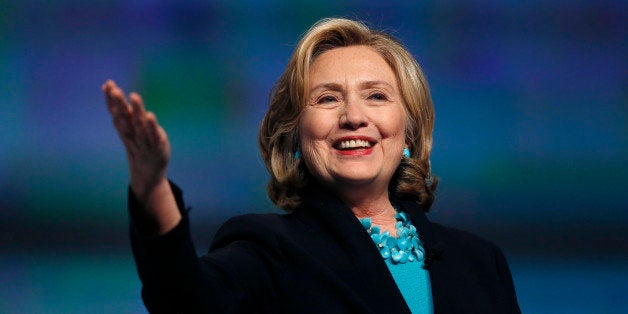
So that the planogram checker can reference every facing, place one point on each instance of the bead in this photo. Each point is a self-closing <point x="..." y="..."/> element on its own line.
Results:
<point x="377" y="238"/>
<point x="395" y="255"/>
<point x="402" y="244"/>
<point x="419" y="253"/>
<point x="402" y="216"/>
<point x="366" y="223"/>
<point x="406" y="247"/>
<point x="392" y="242"/>
<point x="404" y="257"/>
<point x="415" y="242"/>
<point x="375" y="229"/>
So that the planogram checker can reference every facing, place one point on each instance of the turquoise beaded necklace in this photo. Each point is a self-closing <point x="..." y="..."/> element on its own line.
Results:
<point x="406" y="247"/>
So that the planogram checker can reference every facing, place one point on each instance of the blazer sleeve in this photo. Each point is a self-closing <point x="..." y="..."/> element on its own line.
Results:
<point x="507" y="282"/>
<point x="167" y="264"/>
<point x="175" y="280"/>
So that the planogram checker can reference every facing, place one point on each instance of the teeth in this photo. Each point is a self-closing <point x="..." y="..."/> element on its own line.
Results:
<point x="354" y="144"/>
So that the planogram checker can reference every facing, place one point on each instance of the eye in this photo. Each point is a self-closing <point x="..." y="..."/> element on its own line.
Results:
<point x="378" y="96"/>
<point x="327" y="99"/>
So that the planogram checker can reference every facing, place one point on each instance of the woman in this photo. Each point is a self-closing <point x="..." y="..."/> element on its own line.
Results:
<point x="346" y="141"/>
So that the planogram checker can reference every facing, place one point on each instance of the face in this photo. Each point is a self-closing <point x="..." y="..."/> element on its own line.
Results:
<point x="352" y="128"/>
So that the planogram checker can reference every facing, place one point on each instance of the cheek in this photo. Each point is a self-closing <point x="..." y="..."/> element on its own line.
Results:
<point x="307" y="131"/>
<point x="393" y="126"/>
<point x="311" y="142"/>
<point x="313" y="126"/>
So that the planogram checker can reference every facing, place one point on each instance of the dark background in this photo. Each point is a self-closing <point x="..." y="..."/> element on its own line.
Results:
<point x="530" y="141"/>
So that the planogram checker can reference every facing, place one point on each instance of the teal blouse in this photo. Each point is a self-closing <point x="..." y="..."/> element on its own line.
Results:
<point x="404" y="256"/>
<point x="414" y="283"/>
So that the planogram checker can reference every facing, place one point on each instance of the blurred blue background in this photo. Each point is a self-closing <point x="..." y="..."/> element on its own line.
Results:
<point x="530" y="145"/>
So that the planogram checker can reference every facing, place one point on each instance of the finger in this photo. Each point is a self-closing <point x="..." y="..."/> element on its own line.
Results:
<point x="107" y="85"/>
<point x="122" y="114"/>
<point x="120" y="110"/>
<point x="163" y="143"/>
<point x="137" y="104"/>
<point x="107" y="88"/>
<point x="114" y="97"/>
<point x="154" y="138"/>
<point x="139" y="119"/>
<point x="159" y="139"/>
<point x="119" y="106"/>
<point x="123" y="125"/>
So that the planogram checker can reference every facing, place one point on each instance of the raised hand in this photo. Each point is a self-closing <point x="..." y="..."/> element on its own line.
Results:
<point x="148" y="152"/>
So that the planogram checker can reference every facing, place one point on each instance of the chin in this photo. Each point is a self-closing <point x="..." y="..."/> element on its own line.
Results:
<point x="356" y="178"/>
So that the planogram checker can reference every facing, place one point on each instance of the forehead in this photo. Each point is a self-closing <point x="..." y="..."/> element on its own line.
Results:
<point x="349" y="64"/>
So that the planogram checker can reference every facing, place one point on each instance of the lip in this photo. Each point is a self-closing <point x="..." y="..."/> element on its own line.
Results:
<point x="355" y="152"/>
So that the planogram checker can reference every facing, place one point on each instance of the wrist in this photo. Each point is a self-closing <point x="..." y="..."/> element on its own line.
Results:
<point x="144" y="188"/>
<point x="157" y="211"/>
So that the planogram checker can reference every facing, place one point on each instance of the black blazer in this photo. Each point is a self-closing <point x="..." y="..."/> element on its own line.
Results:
<point x="318" y="259"/>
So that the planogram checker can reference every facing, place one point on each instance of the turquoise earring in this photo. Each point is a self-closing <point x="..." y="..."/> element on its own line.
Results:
<point x="406" y="152"/>
<point x="297" y="154"/>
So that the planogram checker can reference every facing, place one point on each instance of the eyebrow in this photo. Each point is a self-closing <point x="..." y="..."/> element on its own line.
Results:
<point x="327" y="86"/>
<point x="362" y="85"/>
<point x="369" y="84"/>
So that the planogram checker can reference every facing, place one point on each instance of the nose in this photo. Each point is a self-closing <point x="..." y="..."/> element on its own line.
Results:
<point x="353" y="116"/>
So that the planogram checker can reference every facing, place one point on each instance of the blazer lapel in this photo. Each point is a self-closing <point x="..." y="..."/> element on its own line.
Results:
<point x="369" y="276"/>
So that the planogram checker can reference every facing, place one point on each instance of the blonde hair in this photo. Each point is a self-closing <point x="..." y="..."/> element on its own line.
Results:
<point x="278" y="133"/>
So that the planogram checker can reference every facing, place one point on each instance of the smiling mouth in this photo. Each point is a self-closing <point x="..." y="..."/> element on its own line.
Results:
<point x="353" y="144"/>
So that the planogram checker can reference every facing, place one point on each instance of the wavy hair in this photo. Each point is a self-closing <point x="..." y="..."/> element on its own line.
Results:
<point x="279" y="134"/>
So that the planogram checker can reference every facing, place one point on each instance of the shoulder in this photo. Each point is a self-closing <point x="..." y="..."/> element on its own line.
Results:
<point x="247" y="220"/>
<point x="258" y="223"/>
<point x="471" y="256"/>
<point x="466" y="249"/>
<point x="437" y="235"/>
<point x="261" y="229"/>
<point x="463" y="239"/>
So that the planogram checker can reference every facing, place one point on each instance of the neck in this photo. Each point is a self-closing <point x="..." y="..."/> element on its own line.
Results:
<point x="375" y="205"/>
